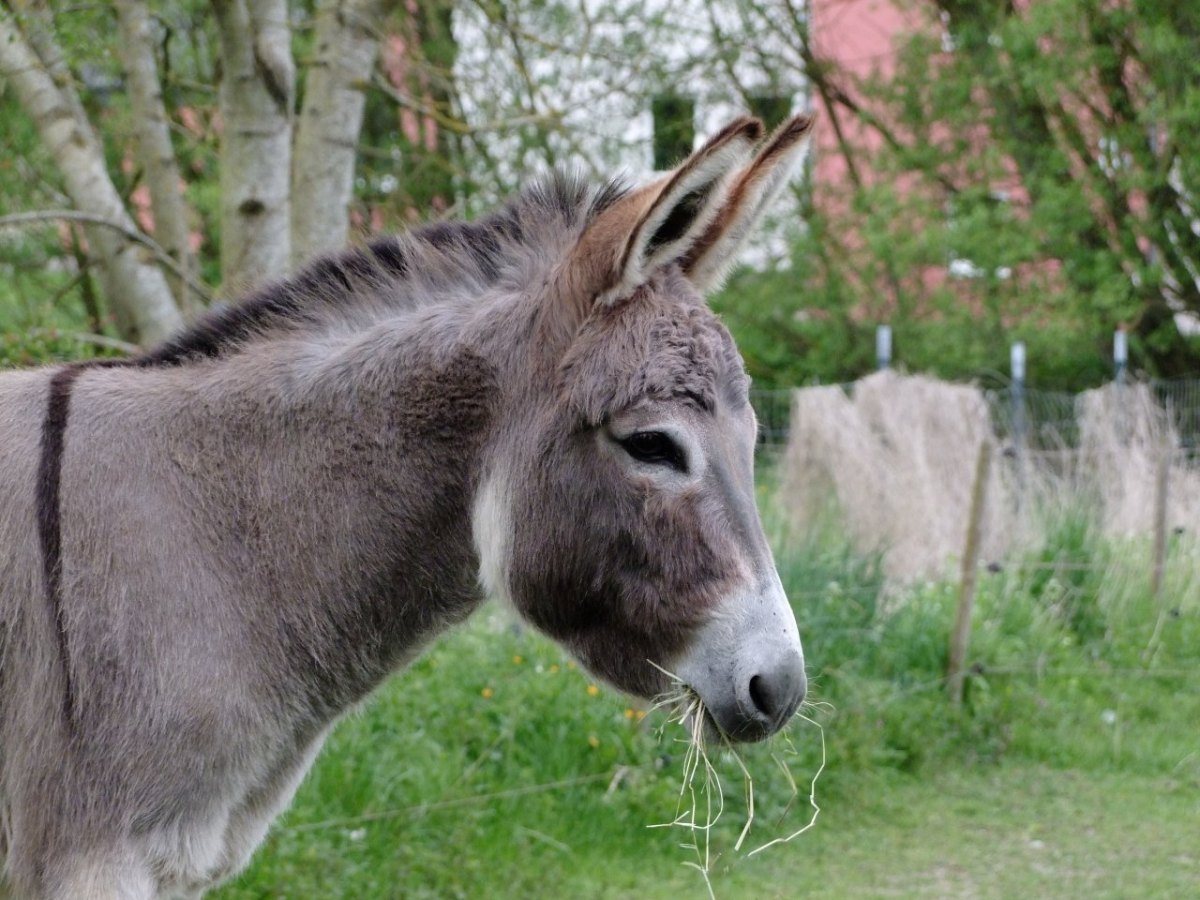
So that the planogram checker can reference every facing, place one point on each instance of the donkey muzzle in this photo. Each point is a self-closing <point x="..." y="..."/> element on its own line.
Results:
<point x="760" y="698"/>
<point x="747" y="666"/>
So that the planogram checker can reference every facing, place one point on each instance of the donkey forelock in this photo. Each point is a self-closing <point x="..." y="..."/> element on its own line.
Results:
<point x="660" y="343"/>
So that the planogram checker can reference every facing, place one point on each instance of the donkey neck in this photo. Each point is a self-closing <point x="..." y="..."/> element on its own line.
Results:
<point x="335" y="477"/>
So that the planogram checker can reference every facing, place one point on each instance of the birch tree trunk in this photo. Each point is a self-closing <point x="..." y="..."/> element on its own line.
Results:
<point x="154" y="149"/>
<point x="136" y="289"/>
<point x="348" y="36"/>
<point x="256" y="99"/>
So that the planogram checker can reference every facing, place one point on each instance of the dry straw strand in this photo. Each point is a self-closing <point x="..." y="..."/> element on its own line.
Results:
<point x="701" y="804"/>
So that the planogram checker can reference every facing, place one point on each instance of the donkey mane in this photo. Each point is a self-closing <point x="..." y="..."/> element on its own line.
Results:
<point x="401" y="272"/>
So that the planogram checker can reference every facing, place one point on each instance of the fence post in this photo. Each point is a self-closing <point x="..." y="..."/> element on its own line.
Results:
<point x="883" y="347"/>
<point x="1017" y="365"/>
<point x="1160" y="524"/>
<point x="1159" y="563"/>
<point x="1019" y="422"/>
<point x="1120" y="354"/>
<point x="961" y="634"/>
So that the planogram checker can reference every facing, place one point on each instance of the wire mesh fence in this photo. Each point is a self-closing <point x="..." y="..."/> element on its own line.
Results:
<point x="895" y="456"/>
<point x="1039" y="420"/>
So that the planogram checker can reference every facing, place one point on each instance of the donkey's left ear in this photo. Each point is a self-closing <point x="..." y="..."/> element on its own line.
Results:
<point x="710" y="257"/>
<point x="686" y="203"/>
<point x="658" y="223"/>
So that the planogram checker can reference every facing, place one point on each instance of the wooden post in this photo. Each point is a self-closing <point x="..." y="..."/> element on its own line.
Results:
<point x="1159" y="563"/>
<point x="1160" y="524"/>
<point x="970" y="570"/>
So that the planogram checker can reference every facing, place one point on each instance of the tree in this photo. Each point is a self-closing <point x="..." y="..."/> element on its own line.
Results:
<point x="156" y="155"/>
<point x="150" y="279"/>
<point x="347" y="45"/>
<point x="1089" y="110"/>
<point x="312" y="130"/>
<point x="33" y="63"/>
<point x="1027" y="163"/>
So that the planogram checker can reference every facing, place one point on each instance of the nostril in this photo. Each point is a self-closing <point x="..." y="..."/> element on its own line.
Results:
<point x="778" y="693"/>
<point x="760" y="697"/>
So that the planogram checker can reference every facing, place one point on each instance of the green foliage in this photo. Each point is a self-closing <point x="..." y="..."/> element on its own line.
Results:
<point x="795" y="330"/>
<point x="28" y="349"/>
<point x="1022" y="172"/>
<point x="674" y="128"/>
<point x="1042" y="154"/>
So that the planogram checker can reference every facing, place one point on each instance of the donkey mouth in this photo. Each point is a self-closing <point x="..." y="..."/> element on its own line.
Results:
<point x="730" y="723"/>
<point x="742" y="727"/>
<point x="745" y="708"/>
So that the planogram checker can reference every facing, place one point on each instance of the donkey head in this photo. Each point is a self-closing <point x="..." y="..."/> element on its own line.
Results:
<point x="624" y="525"/>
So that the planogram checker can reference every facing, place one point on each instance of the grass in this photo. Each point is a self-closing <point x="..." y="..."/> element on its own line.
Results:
<point x="1017" y="829"/>
<point x="495" y="768"/>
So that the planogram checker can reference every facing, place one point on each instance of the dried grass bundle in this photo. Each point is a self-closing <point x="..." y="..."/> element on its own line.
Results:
<point x="896" y="461"/>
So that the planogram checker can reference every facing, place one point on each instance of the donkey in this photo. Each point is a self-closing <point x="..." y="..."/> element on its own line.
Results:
<point x="213" y="550"/>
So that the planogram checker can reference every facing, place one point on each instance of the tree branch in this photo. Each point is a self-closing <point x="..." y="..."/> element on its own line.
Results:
<point x="126" y="230"/>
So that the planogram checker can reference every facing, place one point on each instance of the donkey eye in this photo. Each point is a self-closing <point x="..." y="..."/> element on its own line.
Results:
<point x="654" y="447"/>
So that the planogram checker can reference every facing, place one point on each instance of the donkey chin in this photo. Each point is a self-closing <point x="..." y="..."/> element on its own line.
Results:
<point x="746" y="666"/>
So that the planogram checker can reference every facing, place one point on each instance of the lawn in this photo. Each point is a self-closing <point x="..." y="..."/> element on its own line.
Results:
<point x="496" y="768"/>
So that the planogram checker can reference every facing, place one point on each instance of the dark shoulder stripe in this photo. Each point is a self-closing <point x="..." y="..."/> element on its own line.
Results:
<point x="49" y="488"/>
<point x="49" y="506"/>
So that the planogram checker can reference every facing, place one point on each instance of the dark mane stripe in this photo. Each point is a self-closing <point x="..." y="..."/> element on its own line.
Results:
<point x="484" y="247"/>
<point x="287" y="303"/>
<point x="49" y="487"/>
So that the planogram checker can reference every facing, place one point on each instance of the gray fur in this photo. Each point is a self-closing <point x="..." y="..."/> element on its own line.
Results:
<point x="266" y="517"/>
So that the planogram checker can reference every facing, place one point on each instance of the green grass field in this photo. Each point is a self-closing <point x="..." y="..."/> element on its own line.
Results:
<point x="496" y="768"/>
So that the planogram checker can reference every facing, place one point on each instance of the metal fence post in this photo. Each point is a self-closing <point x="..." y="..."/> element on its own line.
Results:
<point x="1017" y="364"/>
<point x="1120" y="354"/>
<point x="1019" y="426"/>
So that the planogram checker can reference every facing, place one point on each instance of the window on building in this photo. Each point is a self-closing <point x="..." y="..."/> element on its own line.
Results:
<point x="771" y="108"/>
<point x="674" y="129"/>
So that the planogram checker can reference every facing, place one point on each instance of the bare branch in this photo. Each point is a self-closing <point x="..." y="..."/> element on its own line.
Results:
<point x="125" y="229"/>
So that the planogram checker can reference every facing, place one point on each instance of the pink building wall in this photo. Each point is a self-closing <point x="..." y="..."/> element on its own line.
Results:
<point x="858" y="36"/>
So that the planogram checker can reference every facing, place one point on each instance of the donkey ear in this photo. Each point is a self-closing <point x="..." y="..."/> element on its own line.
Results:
<point x="659" y="223"/>
<point x="710" y="257"/>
